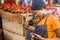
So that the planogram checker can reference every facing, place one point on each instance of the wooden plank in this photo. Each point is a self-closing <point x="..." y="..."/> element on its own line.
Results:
<point x="12" y="26"/>
<point x="11" y="36"/>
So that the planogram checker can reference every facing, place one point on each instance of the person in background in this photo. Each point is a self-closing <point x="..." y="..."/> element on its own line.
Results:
<point x="48" y="26"/>
<point x="50" y="5"/>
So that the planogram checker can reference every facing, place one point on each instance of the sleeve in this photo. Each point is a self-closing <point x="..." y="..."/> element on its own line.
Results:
<point x="55" y="23"/>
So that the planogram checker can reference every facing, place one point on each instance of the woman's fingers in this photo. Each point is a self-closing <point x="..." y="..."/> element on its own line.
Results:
<point x="38" y="36"/>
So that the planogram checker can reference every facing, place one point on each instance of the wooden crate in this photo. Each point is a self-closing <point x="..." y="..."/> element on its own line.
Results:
<point x="12" y="26"/>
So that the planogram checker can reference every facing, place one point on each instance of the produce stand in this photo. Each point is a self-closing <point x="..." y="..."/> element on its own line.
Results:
<point x="13" y="26"/>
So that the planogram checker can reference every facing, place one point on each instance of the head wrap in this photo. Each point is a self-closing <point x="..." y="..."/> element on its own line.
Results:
<point x="38" y="4"/>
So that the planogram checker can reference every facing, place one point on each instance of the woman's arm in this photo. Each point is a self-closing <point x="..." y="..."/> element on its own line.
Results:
<point x="57" y="31"/>
<point x="41" y="38"/>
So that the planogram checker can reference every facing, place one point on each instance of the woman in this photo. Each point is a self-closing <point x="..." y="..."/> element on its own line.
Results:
<point x="49" y="26"/>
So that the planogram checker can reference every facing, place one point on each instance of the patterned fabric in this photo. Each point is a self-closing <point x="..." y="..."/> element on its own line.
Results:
<point x="51" y="9"/>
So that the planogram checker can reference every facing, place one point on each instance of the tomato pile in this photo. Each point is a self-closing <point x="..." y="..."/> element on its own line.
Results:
<point x="16" y="8"/>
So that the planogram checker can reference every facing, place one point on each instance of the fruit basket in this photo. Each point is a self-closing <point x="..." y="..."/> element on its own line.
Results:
<point x="13" y="25"/>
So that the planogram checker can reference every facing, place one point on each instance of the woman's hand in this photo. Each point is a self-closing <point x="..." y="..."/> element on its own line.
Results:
<point x="41" y="38"/>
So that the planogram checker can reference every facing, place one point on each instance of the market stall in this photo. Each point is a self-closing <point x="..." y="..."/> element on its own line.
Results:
<point x="13" y="26"/>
